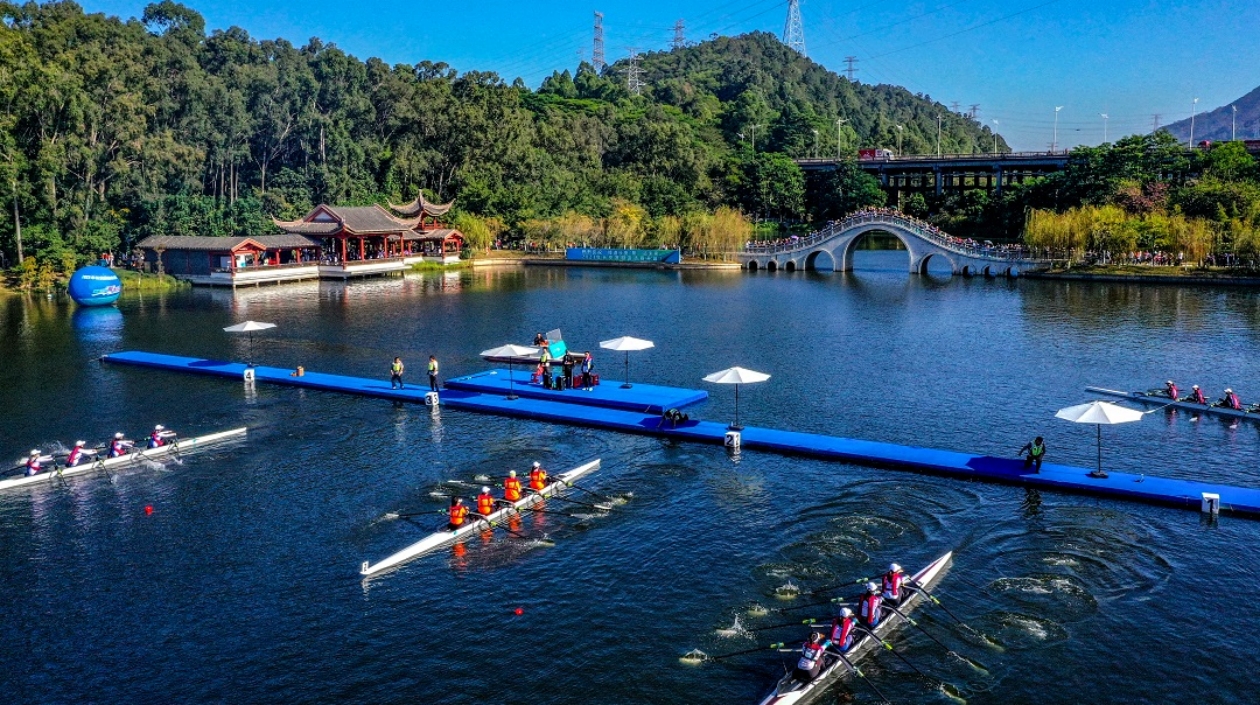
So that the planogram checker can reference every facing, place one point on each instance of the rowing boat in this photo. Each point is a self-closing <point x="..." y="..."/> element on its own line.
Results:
<point x="1160" y="398"/>
<point x="790" y="691"/>
<point x="100" y="464"/>
<point x="441" y="538"/>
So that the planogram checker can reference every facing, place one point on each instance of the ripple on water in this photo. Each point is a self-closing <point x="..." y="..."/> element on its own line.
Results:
<point x="1018" y="631"/>
<point x="1061" y="595"/>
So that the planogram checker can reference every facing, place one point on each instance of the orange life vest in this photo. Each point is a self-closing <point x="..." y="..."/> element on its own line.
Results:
<point x="537" y="479"/>
<point x="485" y="504"/>
<point x="458" y="513"/>
<point x="512" y="489"/>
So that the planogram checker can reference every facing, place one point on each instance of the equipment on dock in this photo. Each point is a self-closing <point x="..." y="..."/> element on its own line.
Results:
<point x="792" y="691"/>
<point x="441" y="538"/>
<point x="736" y="376"/>
<point x="1159" y="398"/>
<point x="627" y="344"/>
<point x="1099" y="413"/>
<point x="104" y="463"/>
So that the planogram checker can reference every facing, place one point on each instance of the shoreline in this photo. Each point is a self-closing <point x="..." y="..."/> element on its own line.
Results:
<point x="1122" y="277"/>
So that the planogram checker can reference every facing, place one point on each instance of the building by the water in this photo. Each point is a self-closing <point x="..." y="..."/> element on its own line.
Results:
<point x="333" y="242"/>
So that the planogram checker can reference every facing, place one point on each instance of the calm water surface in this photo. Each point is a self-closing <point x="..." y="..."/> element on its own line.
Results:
<point x="242" y="584"/>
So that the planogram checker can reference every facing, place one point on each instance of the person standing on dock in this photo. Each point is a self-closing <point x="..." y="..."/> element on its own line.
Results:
<point x="588" y="366"/>
<point x="1036" y="451"/>
<point x="512" y="487"/>
<point x="396" y="373"/>
<point x="544" y="364"/>
<point x="537" y="477"/>
<point x="568" y="372"/>
<point x="433" y="373"/>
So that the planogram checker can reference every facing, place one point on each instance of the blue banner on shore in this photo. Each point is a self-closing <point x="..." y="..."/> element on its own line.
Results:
<point x="608" y="254"/>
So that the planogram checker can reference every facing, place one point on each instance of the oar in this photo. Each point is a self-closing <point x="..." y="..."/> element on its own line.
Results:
<point x="832" y="601"/>
<point x="493" y="524"/>
<point x="548" y="511"/>
<point x="916" y="585"/>
<point x="889" y="647"/>
<point x="778" y="645"/>
<point x="829" y="588"/>
<point x="599" y="507"/>
<point x="809" y="621"/>
<point x="858" y="671"/>
<point x="916" y="626"/>
<point x="583" y="489"/>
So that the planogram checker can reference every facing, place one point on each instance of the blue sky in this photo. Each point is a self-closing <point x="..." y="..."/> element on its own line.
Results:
<point x="1017" y="59"/>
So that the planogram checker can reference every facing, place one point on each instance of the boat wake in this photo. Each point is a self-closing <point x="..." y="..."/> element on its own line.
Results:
<point x="1061" y="595"/>
<point x="1018" y="631"/>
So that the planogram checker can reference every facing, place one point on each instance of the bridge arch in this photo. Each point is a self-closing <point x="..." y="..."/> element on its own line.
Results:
<point x="921" y="267"/>
<point x="752" y="265"/>
<point x="789" y="266"/>
<point x="772" y="266"/>
<point x="825" y="256"/>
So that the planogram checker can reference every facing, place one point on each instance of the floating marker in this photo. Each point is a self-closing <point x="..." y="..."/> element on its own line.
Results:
<point x="518" y="611"/>
<point x="148" y="509"/>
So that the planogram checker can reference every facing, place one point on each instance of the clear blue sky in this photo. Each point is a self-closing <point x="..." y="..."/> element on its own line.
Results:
<point x="1017" y="59"/>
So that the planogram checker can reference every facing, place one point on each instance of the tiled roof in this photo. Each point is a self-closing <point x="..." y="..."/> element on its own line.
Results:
<point x="193" y="242"/>
<point x="420" y="204"/>
<point x="358" y="220"/>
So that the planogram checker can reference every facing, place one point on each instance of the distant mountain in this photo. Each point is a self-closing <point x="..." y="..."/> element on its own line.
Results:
<point x="1216" y="125"/>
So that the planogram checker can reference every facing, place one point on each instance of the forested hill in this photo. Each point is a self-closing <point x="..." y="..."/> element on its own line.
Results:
<point x="1223" y="123"/>
<point x="111" y="130"/>
<point x="756" y="79"/>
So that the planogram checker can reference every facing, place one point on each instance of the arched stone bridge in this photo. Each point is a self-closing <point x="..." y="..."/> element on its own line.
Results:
<point x="833" y="246"/>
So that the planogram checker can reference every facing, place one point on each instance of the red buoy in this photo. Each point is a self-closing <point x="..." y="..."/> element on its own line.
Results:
<point x="519" y="611"/>
<point x="148" y="509"/>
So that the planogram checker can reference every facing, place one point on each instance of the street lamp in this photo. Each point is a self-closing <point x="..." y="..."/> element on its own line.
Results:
<point x="995" y="129"/>
<point x="938" y="134"/>
<point x="1233" y="125"/>
<point x="1105" y="118"/>
<point x="1194" y="108"/>
<point x="900" y="129"/>
<point x="839" y="122"/>
<point x="815" y="144"/>
<point x="753" y="128"/>
<point x="1054" y="146"/>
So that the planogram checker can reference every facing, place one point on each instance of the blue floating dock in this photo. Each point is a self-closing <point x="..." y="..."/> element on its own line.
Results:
<point x="643" y="398"/>
<point x="1186" y="494"/>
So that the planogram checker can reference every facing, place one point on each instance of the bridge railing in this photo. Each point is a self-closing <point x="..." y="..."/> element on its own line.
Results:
<point x="923" y="230"/>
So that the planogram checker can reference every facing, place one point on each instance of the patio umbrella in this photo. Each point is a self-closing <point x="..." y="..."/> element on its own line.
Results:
<point x="626" y="344"/>
<point x="1099" y="413"/>
<point x="736" y="376"/>
<point x="250" y="327"/>
<point x="510" y="351"/>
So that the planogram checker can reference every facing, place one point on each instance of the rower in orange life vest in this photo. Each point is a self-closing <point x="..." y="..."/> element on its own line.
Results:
<point x="871" y="608"/>
<point x="1230" y="401"/>
<point x="894" y="584"/>
<point x="811" y="660"/>
<point x="512" y="487"/>
<point x="1172" y="390"/>
<point x="78" y="453"/>
<point x="35" y="462"/>
<point x="157" y="439"/>
<point x="119" y="445"/>
<point x="1196" y="395"/>
<point x="537" y="477"/>
<point x="485" y="502"/>
<point x="458" y="513"/>
<point x="841" y="635"/>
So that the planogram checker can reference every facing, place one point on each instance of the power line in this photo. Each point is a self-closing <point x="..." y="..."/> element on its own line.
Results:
<point x="794" y="28"/>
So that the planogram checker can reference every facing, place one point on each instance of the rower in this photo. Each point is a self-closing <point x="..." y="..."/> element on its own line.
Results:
<point x="1171" y="387"/>
<point x="77" y="454"/>
<point x="512" y="487"/>
<point x="1196" y="395"/>
<point x="157" y="439"/>
<point x="458" y="513"/>
<point x="35" y="462"/>
<point x="842" y="630"/>
<point x="537" y="477"/>
<point x="811" y="661"/>
<point x="894" y="581"/>
<point x="119" y="445"/>
<point x="485" y="502"/>
<point x="1230" y="400"/>
<point x="872" y="606"/>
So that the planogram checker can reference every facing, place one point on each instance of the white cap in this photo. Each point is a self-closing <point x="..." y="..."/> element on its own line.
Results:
<point x="1169" y="382"/>
<point x="34" y="451"/>
<point x="894" y="568"/>
<point x="537" y="464"/>
<point x="872" y="587"/>
<point x="79" y="443"/>
<point x="1194" y="386"/>
<point x="1229" y="391"/>
<point x="485" y="490"/>
<point x="118" y="435"/>
<point x="846" y="612"/>
<point x="159" y="427"/>
<point x="511" y="473"/>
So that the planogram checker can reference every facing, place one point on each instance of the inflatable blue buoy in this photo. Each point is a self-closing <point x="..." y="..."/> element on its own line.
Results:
<point x="95" y="286"/>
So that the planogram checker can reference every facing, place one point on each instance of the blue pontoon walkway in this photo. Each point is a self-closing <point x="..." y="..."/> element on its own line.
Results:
<point x="1176" y="493"/>
<point x="644" y="398"/>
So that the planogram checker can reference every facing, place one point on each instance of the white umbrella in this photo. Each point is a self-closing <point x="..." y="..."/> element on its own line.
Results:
<point x="736" y="376"/>
<point x="510" y="351"/>
<point x="250" y="327"/>
<point x="626" y="344"/>
<point x="1099" y="413"/>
